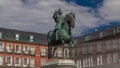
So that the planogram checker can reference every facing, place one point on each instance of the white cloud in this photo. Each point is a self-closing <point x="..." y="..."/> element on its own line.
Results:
<point x="110" y="10"/>
<point x="36" y="15"/>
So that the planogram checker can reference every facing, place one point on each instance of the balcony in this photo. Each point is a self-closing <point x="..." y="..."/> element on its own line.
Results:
<point x="32" y="52"/>
<point x="8" y="51"/>
<point x="1" y="50"/>
<point x="25" y="52"/>
<point x="17" y="65"/>
<point x="113" y="49"/>
<point x="26" y="65"/>
<point x="18" y="52"/>
<point x="1" y="63"/>
<point x="32" y="65"/>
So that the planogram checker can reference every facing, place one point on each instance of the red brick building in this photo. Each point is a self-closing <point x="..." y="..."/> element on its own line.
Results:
<point x="24" y="49"/>
<point x="100" y="49"/>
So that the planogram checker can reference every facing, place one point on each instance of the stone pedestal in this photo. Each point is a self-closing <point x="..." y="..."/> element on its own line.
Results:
<point x="60" y="64"/>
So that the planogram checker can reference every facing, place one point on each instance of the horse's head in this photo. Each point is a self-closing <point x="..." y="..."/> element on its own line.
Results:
<point x="70" y="18"/>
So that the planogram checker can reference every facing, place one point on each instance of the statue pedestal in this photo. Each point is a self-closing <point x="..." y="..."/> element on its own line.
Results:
<point x="60" y="64"/>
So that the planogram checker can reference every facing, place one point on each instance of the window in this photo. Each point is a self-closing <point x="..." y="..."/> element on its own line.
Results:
<point x="109" y="58"/>
<point x="17" y="60"/>
<point x="90" y="49"/>
<point x="86" y="38"/>
<point x="1" y="47"/>
<point x="84" y="63"/>
<point x="43" y="51"/>
<point x="115" y="43"/>
<point x="32" y="62"/>
<point x="101" y="34"/>
<point x="31" y="38"/>
<point x="79" y="64"/>
<point x="1" y="60"/>
<point x="99" y="47"/>
<point x="8" y="60"/>
<point x="16" y="36"/>
<point x="91" y="61"/>
<point x="43" y="61"/>
<point x="109" y="44"/>
<point x="25" y="61"/>
<point x="84" y="50"/>
<point x="72" y="52"/>
<point x="115" y="58"/>
<point x="0" y="34"/>
<point x="26" y="49"/>
<point x="99" y="60"/>
<point x="17" y="48"/>
<point x="9" y="47"/>
<point x="32" y="50"/>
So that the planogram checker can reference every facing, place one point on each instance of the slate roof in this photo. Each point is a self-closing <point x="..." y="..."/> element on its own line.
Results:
<point x="98" y="35"/>
<point x="9" y="35"/>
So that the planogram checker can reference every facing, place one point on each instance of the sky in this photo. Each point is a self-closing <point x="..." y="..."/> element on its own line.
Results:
<point x="36" y="15"/>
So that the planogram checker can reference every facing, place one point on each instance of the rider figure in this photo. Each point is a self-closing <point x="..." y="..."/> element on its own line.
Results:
<point x="59" y="20"/>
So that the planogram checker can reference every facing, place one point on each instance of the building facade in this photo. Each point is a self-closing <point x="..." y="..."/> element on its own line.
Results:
<point x="20" y="49"/>
<point x="100" y="49"/>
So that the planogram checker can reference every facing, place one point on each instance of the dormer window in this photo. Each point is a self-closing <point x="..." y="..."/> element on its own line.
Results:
<point x="31" y="38"/>
<point x="101" y="34"/>
<point x="0" y="34"/>
<point x="17" y="36"/>
<point x="86" y="38"/>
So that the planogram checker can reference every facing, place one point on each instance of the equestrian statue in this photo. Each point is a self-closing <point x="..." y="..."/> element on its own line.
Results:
<point x="62" y="33"/>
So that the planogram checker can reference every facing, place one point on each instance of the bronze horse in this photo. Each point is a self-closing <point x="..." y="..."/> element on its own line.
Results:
<point x="65" y="36"/>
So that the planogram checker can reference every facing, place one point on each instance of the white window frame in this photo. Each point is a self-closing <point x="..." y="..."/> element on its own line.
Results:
<point x="90" y="48"/>
<point x="27" y="62"/>
<point x="17" y="37"/>
<point x="10" y="62"/>
<point x="31" y="38"/>
<point x="91" y="59"/>
<point x="86" y="63"/>
<point x="26" y="50"/>
<point x="89" y="62"/>
<point x="9" y="49"/>
<point x="43" y="61"/>
<point x="19" y="61"/>
<point x="83" y="63"/>
<point x="109" y="58"/>
<point x="32" y="49"/>
<point x="109" y="44"/>
<point x="101" y="34"/>
<point x="115" y="43"/>
<point x="99" y="60"/>
<point x="43" y="51"/>
<point x="18" y="51"/>
<point x="1" y="60"/>
<point x="99" y="46"/>
<point x="115" y="58"/>
<point x="32" y="62"/>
